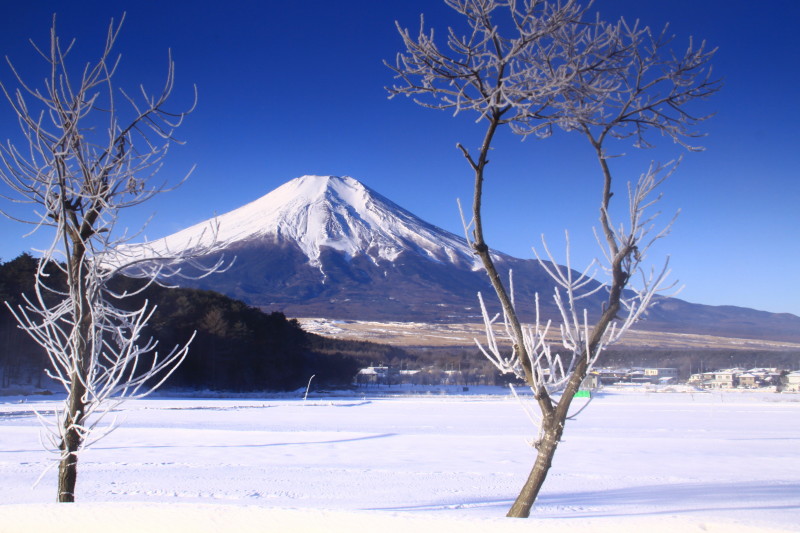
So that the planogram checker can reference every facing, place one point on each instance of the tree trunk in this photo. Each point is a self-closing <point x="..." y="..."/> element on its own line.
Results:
<point x="546" y="449"/>
<point x="75" y="416"/>
<point x="68" y="467"/>
<point x="553" y="423"/>
<point x="67" y="476"/>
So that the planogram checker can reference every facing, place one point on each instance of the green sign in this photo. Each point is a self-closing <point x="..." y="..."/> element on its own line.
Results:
<point x="583" y="394"/>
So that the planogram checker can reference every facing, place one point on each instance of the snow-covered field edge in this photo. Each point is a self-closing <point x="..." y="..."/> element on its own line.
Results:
<point x="634" y="460"/>
<point x="214" y="518"/>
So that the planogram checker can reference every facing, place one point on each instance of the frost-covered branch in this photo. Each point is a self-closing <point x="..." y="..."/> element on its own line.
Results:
<point x="534" y="65"/>
<point x="91" y="151"/>
<point x="580" y="341"/>
<point x="482" y="70"/>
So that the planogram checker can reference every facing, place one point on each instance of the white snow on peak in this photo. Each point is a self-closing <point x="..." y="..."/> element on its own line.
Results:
<point x="337" y="212"/>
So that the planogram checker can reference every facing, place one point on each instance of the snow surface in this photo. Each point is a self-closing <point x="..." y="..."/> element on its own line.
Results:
<point x="316" y="211"/>
<point x="632" y="461"/>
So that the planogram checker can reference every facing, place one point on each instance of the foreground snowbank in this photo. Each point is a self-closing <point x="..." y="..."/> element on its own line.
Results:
<point x="199" y="518"/>
<point x="630" y="462"/>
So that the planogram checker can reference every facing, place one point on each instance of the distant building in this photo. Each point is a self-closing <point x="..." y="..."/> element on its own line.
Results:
<point x="661" y="375"/>
<point x="697" y="380"/>
<point x="608" y="376"/>
<point x="723" y="380"/>
<point x="764" y="377"/>
<point x="792" y="382"/>
<point x="374" y="375"/>
<point x="747" y="381"/>
<point x="737" y="378"/>
<point x="591" y="381"/>
<point x="730" y="378"/>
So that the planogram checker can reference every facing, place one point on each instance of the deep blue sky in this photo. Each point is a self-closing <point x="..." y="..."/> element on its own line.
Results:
<point x="293" y="88"/>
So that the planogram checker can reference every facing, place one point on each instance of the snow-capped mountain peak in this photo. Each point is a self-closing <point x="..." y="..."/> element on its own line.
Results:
<point x="329" y="211"/>
<point x="325" y="246"/>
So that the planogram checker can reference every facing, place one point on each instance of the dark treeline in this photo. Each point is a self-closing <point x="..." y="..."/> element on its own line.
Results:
<point x="456" y="366"/>
<point x="690" y="361"/>
<point x="236" y="348"/>
<point x="21" y="359"/>
<point x="240" y="348"/>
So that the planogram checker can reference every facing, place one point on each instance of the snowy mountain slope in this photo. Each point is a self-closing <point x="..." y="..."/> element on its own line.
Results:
<point x="340" y="213"/>
<point x="325" y="246"/>
<point x="330" y="246"/>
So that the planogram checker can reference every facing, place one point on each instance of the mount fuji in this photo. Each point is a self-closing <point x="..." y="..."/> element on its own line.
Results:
<point x="330" y="246"/>
<point x="327" y="246"/>
<point x="312" y="213"/>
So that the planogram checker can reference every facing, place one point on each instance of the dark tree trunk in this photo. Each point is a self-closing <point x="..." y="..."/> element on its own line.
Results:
<point x="546" y="449"/>
<point x="76" y="400"/>
<point x="68" y="467"/>
<point x="67" y="477"/>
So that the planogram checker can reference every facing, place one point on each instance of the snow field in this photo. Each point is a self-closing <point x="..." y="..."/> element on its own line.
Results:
<point x="630" y="461"/>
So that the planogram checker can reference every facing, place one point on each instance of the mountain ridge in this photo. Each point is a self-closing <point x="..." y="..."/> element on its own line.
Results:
<point x="337" y="212"/>
<point x="331" y="247"/>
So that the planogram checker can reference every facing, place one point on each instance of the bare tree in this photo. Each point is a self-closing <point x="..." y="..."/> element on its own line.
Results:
<point x="91" y="151"/>
<point x="533" y="65"/>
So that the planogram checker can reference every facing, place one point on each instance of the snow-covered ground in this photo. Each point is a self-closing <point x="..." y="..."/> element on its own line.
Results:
<point x="632" y="461"/>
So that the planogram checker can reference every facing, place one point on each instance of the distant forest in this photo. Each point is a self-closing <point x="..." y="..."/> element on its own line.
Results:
<point x="241" y="348"/>
<point x="237" y="347"/>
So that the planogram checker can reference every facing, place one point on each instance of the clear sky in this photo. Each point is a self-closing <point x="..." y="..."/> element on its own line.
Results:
<point x="293" y="88"/>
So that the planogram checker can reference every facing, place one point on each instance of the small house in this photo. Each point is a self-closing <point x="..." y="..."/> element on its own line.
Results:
<point x="747" y="381"/>
<point x="373" y="375"/>
<point x="792" y="382"/>
<point x="661" y="375"/>
<point x="723" y="380"/>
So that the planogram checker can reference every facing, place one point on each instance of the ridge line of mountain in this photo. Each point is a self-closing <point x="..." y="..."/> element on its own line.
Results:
<point x="331" y="247"/>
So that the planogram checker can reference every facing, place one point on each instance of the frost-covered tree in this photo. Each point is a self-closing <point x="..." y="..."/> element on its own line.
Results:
<point x="536" y="65"/>
<point x="89" y="152"/>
